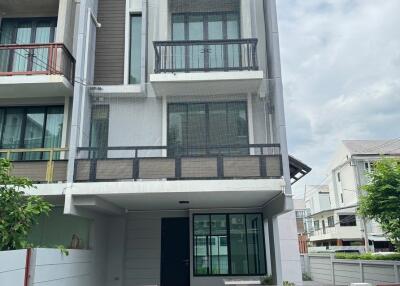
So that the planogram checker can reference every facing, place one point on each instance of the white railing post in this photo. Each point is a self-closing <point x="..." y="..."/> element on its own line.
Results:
<point x="333" y="268"/>
<point x="361" y="272"/>
<point x="396" y="272"/>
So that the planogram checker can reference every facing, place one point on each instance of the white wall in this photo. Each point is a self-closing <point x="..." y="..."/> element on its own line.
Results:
<point x="12" y="267"/>
<point x="289" y="248"/>
<point x="50" y="267"/>
<point x="143" y="247"/>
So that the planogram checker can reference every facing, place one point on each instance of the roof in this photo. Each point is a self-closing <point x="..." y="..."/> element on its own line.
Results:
<point x="298" y="169"/>
<point x="373" y="147"/>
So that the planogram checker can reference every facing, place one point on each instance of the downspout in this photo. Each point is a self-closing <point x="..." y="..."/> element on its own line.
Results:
<point x="27" y="266"/>
<point x="363" y="220"/>
<point x="274" y="74"/>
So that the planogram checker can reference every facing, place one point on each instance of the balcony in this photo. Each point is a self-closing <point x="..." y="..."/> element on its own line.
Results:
<point x="41" y="165"/>
<point x="206" y="67"/>
<point x="256" y="161"/>
<point x="36" y="70"/>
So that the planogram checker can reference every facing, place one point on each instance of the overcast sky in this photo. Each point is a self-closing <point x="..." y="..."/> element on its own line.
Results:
<point x="341" y="75"/>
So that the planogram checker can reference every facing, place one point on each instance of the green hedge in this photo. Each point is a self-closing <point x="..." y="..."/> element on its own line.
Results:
<point x="368" y="256"/>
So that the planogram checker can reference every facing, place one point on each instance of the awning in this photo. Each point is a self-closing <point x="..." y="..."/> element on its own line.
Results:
<point x="297" y="169"/>
<point x="377" y="238"/>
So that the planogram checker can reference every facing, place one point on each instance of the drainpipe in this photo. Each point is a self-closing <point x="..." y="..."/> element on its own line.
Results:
<point x="363" y="220"/>
<point x="274" y="74"/>
<point x="27" y="266"/>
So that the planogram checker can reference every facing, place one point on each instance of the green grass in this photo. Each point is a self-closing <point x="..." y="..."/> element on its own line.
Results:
<point x="368" y="256"/>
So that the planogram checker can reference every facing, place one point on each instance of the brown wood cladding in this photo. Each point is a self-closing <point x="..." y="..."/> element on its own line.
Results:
<point x="110" y="43"/>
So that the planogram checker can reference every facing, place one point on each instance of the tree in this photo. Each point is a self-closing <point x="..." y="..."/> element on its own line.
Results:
<point x="18" y="212"/>
<point x="380" y="200"/>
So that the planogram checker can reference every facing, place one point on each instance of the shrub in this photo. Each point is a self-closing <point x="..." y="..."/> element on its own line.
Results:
<point x="18" y="212"/>
<point x="267" y="280"/>
<point x="306" y="277"/>
<point x="368" y="256"/>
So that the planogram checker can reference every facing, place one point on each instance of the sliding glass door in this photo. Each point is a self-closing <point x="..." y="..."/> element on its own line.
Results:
<point x="31" y="127"/>
<point x="26" y="31"/>
<point x="202" y="27"/>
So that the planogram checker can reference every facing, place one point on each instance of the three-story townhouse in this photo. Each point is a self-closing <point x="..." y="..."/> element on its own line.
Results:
<point x="177" y="166"/>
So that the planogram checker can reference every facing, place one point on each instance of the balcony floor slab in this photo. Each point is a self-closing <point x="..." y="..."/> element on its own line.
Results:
<point x="34" y="86"/>
<point x="206" y="83"/>
<point x="200" y="194"/>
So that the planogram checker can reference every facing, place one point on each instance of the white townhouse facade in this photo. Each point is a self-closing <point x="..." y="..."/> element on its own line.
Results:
<point x="157" y="129"/>
<point x="336" y="225"/>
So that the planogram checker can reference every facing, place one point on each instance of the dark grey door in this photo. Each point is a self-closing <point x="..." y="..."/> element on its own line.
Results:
<point x="175" y="252"/>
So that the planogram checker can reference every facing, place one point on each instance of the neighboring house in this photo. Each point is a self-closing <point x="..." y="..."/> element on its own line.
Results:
<point x="166" y="141"/>
<point x="302" y="215"/>
<point x="338" y="226"/>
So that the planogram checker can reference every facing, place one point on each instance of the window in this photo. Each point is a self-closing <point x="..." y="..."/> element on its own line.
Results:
<point x="369" y="166"/>
<point x="347" y="220"/>
<point x="135" y="49"/>
<point x="316" y="224"/>
<point x="341" y="197"/>
<point x="207" y="124"/>
<point x="300" y="214"/>
<point x="99" y="130"/>
<point x="228" y="244"/>
<point x="338" y="177"/>
<point x="31" y="127"/>
<point x="206" y="26"/>
<point x="26" y="31"/>
<point x="331" y="221"/>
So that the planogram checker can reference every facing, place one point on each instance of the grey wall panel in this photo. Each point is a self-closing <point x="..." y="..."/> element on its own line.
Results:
<point x="143" y="247"/>
<point x="321" y="269"/>
<point x="110" y="43"/>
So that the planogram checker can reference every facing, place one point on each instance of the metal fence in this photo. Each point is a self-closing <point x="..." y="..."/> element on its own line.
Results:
<point x="207" y="55"/>
<point x="36" y="59"/>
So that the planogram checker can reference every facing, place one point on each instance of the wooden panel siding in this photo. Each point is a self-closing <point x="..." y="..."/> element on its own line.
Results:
<point x="110" y="43"/>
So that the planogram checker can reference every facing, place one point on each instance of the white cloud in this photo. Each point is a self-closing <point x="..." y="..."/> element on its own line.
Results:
<point x="341" y="74"/>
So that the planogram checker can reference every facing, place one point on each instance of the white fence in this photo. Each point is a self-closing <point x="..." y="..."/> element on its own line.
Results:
<point x="45" y="267"/>
<point x="12" y="267"/>
<point x="327" y="270"/>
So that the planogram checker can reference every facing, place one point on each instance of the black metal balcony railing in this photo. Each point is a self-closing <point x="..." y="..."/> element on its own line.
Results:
<point x="36" y="59"/>
<point x="208" y="55"/>
<point x="149" y="163"/>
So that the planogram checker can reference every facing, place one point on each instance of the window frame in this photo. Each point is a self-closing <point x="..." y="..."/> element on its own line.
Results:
<point x="133" y="15"/>
<point x="207" y="126"/>
<point x="34" y="21"/>
<point x="345" y="224"/>
<point x="331" y="221"/>
<point x="316" y="223"/>
<point x="25" y="109"/>
<point x="206" y="16"/>
<point x="228" y="240"/>
<point x="206" y="35"/>
<point x="107" y="108"/>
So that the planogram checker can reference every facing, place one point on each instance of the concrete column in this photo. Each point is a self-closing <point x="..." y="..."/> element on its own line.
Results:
<point x="274" y="251"/>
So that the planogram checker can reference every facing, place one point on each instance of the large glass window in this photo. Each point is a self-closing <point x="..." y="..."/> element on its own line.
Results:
<point x="347" y="220"/>
<point x="26" y="31"/>
<point x="206" y="26"/>
<point x="207" y="125"/>
<point x="31" y="127"/>
<point x="136" y="49"/>
<point x="228" y="244"/>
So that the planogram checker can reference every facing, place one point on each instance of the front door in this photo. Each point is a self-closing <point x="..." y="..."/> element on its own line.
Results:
<point x="175" y="252"/>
